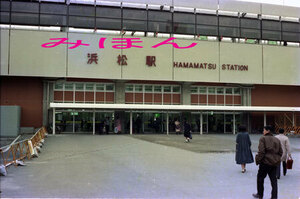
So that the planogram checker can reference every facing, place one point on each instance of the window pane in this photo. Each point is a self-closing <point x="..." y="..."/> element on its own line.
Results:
<point x="100" y="87"/>
<point x="109" y="87"/>
<point x="159" y="27"/>
<point x="211" y="90"/>
<point x="103" y="23"/>
<point x="194" y="89"/>
<point x="49" y="8"/>
<point x="229" y="21"/>
<point x="83" y="22"/>
<point x="159" y="16"/>
<point x="167" y="89"/>
<point x="202" y="90"/>
<point x="134" y="14"/>
<point x="250" y="23"/>
<point x="69" y="86"/>
<point x="207" y="30"/>
<point x="25" y="7"/>
<point x="58" y="86"/>
<point x="176" y="89"/>
<point x="148" y="88"/>
<point x="138" y="88"/>
<point x="220" y="90"/>
<point x="184" y="28"/>
<point x="271" y="25"/>
<point x="89" y="87"/>
<point x="108" y="12"/>
<point x="207" y="20"/>
<point x="134" y="25"/>
<point x="184" y="18"/>
<point x="129" y="88"/>
<point x="79" y="87"/>
<point x="237" y="91"/>
<point x="229" y="91"/>
<point x="81" y="10"/>
<point x="157" y="88"/>
<point x="53" y="20"/>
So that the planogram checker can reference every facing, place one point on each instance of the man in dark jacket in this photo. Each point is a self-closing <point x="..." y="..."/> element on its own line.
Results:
<point x="268" y="158"/>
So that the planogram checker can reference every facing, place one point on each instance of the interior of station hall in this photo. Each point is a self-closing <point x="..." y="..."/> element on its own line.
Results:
<point x="243" y="70"/>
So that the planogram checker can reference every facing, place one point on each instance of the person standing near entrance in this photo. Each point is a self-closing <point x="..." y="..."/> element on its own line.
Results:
<point x="285" y="145"/>
<point x="187" y="131"/>
<point x="177" y="126"/>
<point x="243" y="153"/>
<point x="268" y="158"/>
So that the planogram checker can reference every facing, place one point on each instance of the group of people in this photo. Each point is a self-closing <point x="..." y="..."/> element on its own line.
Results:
<point x="272" y="150"/>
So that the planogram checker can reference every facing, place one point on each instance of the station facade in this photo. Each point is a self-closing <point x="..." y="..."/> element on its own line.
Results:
<point x="93" y="82"/>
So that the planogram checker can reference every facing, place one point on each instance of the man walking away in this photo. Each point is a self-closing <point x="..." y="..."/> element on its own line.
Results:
<point x="285" y="145"/>
<point x="268" y="158"/>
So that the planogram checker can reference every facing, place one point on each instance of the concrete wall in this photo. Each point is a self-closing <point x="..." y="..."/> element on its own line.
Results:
<point x="231" y="62"/>
<point x="28" y="94"/>
<point x="10" y="121"/>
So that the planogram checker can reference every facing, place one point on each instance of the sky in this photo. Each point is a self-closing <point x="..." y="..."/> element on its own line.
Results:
<point x="295" y="3"/>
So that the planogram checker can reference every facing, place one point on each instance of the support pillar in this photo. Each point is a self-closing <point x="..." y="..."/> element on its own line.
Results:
<point x="167" y="123"/>
<point x="130" y="123"/>
<point x="53" y="122"/>
<point x="234" y="123"/>
<point x="265" y="118"/>
<point x="293" y="118"/>
<point x="94" y="122"/>
<point x="201" y="123"/>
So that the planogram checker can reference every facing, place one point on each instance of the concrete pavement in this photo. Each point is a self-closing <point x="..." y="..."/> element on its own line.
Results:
<point x="123" y="166"/>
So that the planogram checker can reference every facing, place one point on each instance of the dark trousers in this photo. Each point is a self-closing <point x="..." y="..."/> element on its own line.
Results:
<point x="278" y="169"/>
<point x="261" y="175"/>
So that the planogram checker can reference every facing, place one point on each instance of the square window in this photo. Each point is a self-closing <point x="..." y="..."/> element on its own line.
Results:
<point x="229" y="91"/>
<point x="211" y="90"/>
<point x="68" y="86"/>
<point x="58" y="86"/>
<point x="167" y="89"/>
<point x="203" y="90"/>
<point x="176" y="89"/>
<point x="100" y="87"/>
<point x="109" y="87"/>
<point x="194" y="89"/>
<point x="148" y="88"/>
<point x="89" y="87"/>
<point x="138" y="88"/>
<point x="79" y="87"/>
<point x="220" y="91"/>
<point x="129" y="88"/>
<point x="237" y="91"/>
<point x="157" y="89"/>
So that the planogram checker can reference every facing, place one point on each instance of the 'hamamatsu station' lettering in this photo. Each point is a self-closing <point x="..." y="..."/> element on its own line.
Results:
<point x="209" y="66"/>
<point x="234" y="67"/>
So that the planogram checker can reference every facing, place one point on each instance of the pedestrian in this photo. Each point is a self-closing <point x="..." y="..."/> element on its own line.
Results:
<point x="177" y="126"/>
<point x="243" y="153"/>
<point x="286" y="149"/>
<point x="138" y="124"/>
<point x="268" y="158"/>
<point x="187" y="131"/>
<point x="118" y="126"/>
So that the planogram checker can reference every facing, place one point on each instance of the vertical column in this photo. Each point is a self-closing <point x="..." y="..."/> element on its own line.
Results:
<point x="293" y="118"/>
<point x="201" y="123"/>
<point x="130" y="123"/>
<point x="53" y="122"/>
<point x="186" y="94"/>
<point x="265" y="119"/>
<point x="73" y="121"/>
<point x="167" y="123"/>
<point x="120" y="92"/>
<point x="94" y="122"/>
<point x="234" y="123"/>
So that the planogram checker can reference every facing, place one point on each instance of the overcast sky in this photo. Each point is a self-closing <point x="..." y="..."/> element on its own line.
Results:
<point x="278" y="2"/>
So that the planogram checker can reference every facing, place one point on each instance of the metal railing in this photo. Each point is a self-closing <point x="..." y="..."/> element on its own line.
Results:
<point x="18" y="151"/>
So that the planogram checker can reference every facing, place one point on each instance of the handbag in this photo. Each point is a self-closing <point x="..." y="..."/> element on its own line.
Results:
<point x="289" y="163"/>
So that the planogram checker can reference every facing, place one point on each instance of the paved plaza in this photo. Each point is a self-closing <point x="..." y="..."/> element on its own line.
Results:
<point x="142" y="166"/>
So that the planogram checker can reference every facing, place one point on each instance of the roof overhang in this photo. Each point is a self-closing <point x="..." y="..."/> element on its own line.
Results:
<point x="173" y="107"/>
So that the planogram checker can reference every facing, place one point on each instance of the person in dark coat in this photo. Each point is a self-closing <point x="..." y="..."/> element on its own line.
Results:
<point x="187" y="131"/>
<point x="243" y="153"/>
